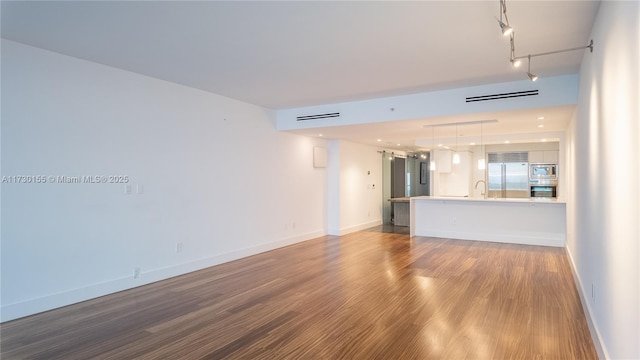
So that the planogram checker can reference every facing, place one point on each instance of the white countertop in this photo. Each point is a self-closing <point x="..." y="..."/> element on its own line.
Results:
<point x="499" y="200"/>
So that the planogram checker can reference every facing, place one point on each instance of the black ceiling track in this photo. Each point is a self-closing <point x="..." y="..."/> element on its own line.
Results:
<point x="502" y="96"/>
<point x="318" y="116"/>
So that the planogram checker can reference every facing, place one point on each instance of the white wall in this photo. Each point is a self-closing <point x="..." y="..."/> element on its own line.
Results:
<point x="603" y="159"/>
<point x="333" y="200"/>
<point x="358" y="194"/>
<point x="216" y="176"/>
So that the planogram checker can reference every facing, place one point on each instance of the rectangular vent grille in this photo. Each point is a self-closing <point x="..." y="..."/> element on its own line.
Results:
<point x="318" y="116"/>
<point x="502" y="96"/>
<point x="508" y="157"/>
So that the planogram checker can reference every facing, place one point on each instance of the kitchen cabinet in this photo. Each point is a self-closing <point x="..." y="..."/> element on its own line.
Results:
<point x="551" y="156"/>
<point x="546" y="156"/>
<point x="456" y="182"/>
<point x="444" y="161"/>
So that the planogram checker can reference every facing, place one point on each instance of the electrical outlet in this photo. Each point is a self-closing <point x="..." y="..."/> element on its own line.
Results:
<point x="293" y="225"/>
<point x="454" y="221"/>
<point x="136" y="272"/>
<point x="127" y="189"/>
<point x="179" y="247"/>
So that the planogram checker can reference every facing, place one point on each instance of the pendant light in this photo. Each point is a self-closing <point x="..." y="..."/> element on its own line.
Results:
<point x="432" y="164"/>
<point x="456" y="156"/>
<point x="481" y="162"/>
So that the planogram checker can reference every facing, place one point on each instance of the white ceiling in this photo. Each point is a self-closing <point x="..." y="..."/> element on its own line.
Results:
<point x="298" y="53"/>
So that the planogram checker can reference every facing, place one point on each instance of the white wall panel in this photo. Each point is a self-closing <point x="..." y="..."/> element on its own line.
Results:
<point x="603" y="187"/>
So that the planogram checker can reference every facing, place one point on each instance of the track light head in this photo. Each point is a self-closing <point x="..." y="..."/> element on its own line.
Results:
<point x="516" y="62"/>
<point x="506" y="29"/>
<point x="531" y="76"/>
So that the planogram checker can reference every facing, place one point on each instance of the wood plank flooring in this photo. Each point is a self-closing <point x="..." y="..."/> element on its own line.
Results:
<point x="374" y="294"/>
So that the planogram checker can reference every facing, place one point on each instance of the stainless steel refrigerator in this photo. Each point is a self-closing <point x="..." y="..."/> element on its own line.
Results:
<point x="508" y="175"/>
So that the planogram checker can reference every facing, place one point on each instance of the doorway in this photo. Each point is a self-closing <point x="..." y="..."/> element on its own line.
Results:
<point x="403" y="176"/>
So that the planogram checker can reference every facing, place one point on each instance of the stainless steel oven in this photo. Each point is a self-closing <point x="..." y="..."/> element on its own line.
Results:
<point x="543" y="191"/>
<point x="543" y="180"/>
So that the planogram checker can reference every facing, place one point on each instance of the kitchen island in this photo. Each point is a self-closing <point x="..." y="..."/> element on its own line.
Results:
<point x="517" y="221"/>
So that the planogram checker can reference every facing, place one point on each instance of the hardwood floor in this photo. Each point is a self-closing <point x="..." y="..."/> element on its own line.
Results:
<point x="368" y="295"/>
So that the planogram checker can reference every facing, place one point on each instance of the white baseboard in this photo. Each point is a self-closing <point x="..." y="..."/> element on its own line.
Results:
<point x="64" y="298"/>
<point x="538" y="239"/>
<point x="354" y="228"/>
<point x="593" y="329"/>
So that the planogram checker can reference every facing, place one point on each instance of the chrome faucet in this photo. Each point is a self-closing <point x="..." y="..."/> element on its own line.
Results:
<point x="484" y="188"/>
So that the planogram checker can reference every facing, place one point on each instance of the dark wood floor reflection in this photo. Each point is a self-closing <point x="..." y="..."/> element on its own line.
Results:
<point x="373" y="294"/>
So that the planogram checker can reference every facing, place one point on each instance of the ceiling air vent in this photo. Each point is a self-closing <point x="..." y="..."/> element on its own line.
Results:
<point x="502" y="96"/>
<point x="318" y="116"/>
<point x="508" y="157"/>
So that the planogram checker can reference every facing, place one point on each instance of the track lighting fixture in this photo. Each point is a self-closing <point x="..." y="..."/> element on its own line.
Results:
<point x="531" y="76"/>
<point x="516" y="61"/>
<point x="512" y="55"/>
<point x="504" y="26"/>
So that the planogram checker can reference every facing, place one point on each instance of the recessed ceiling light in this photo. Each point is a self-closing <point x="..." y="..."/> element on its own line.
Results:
<point x="439" y="145"/>
<point x="507" y="141"/>
<point x="378" y="140"/>
<point x="472" y="143"/>
<point x="544" y="140"/>
<point x="540" y="126"/>
<point x="398" y="144"/>
<point x="540" y="117"/>
<point x="320" y="135"/>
